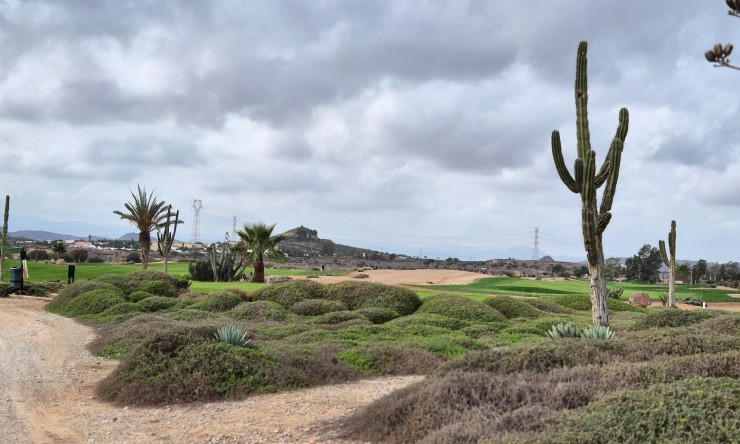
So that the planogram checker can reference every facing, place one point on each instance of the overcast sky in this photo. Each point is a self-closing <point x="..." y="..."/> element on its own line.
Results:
<point x="416" y="127"/>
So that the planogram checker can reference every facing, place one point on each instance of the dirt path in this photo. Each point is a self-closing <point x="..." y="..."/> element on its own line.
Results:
<point x="47" y="380"/>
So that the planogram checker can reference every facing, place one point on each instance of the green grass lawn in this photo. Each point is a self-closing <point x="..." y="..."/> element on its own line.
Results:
<point x="513" y="286"/>
<point x="42" y="272"/>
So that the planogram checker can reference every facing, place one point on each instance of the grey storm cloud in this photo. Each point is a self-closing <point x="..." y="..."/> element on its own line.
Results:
<point x="421" y="110"/>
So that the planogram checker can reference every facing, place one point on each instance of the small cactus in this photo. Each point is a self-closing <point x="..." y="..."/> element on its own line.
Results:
<point x="232" y="334"/>
<point x="597" y="332"/>
<point x="564" y="330"/>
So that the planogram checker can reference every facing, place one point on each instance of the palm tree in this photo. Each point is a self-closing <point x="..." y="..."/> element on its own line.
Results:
<point x="147" y="214"/>
<point x="259" y="240"/>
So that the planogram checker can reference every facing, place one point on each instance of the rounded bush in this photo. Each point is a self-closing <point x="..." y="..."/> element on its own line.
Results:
<point x="512" y="308"/>
<point x="158" y="288"/>
<point x="315" y="307"/>
<point x="430" y="319"/>
<point x="337" y="317"/>
<point x="157" y="303"/>
<point x="289" y="293"/>
<point x="548" y="307"/>
<point x="368" y="294"/>
<point x="378" y="315"/>
<point x="155" y="282"/>
<point x="460" y="307"/>
<point x="676" y="412"/>
<point x="123" y="308"/>
<point x="176" y="368"/>
<point x="74" y="290"/>
<point x="120" y="281"/>
<point x="218" y="302"/>
<point x="582" y="302"/>
<point x="94" y="302"/>
<point x="137" y="296"/>
<point x="259" y="311"/>
<point x="672" y="317"/>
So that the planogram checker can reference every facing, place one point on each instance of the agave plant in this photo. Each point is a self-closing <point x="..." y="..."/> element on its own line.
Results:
<point x="232" y="334"/>
<point x="597" y="332"/>
<point x="564" y="330"/>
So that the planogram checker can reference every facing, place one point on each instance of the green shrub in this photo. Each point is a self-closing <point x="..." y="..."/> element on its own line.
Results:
<point x="289" y="293"/>
<point x="430" y="319"/>
<point x="182" y="281"/>
<point x="378" y="315"/>
<point x="358" y="295"/>
<point x="155" y="282"/>
<point x="548" y="307"/>
<point x="75" y="289"/>
<point x="218" y="302"/>
<point x="582" y="302"/>
<point x="158" y="288"/>
<point x="120" y="281"/>
<point x="175" y="368"/>
<point x="259" y="311"/>
<point x="93" y="302"/>
<point x="337" y="317"/>
<point x="460" y="307"/>
<point x="42" y="288"/>
<point x="728" y="324"/>
<point x="537" y="357"/>
<point x="6" y="289"/>
<point x="137" y="296"/>
<point x="691" y="411"/>
<point x="512" y="308"/>
<point x="315" y="307"/>
<point x="123" y="308"/>
<point x="157" y="303"/>
<point x="478" y="331"/>
<point x="189" y="314"/>
<point x="672" y="317"/>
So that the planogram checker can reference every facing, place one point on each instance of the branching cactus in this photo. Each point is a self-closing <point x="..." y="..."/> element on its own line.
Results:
<point x="670" y="262"/>
<point x="4" y="240"/>
<point x="166" y="239"/>
<point x="586" y="180"/>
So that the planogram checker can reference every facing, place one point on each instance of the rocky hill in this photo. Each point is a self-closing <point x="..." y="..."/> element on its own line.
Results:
<point x="302" y="241"/>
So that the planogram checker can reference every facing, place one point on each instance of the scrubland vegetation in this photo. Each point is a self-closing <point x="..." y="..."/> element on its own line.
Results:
<point x="492" y="373"/>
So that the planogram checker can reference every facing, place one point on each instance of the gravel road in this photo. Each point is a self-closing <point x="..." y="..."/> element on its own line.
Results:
<point x="47" y="381"/>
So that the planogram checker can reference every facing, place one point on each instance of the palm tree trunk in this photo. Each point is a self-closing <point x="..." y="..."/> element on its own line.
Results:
<point x="259" y="270"/>
<point x="145" y="242"/>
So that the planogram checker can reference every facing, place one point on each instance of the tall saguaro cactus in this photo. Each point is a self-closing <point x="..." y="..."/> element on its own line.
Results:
<point x="587" y="180"/>
<point x="166" y="239"/>
<point x="670" y="262"/>
<point x="4" y="240"/>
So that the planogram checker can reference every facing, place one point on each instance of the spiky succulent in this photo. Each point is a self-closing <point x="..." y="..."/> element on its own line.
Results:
<point x="564" y="330"/>
<point x="597" y="332"/>
<point x="233" y="334"/>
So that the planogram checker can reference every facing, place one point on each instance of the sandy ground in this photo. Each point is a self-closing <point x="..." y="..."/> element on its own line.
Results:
<point x="47" y="381"/>
<point x="410" y="277"/>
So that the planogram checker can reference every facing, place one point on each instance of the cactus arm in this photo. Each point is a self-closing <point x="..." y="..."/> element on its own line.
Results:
<point x="611" y="184"/>
<point x="663" y="255"/>
<point x="557" y="154"/>
<point x="672" y="239"/>
<point x="603" y="221"/>
<point x="603" y="173"/>
<point x="581" y="93"/>
<point x="588" y="190"/>
<point x="578" y="167"/>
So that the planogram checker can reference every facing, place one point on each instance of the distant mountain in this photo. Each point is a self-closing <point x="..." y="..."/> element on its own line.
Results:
<point x="129" y="237"/>
<point x="40" y="235"/>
